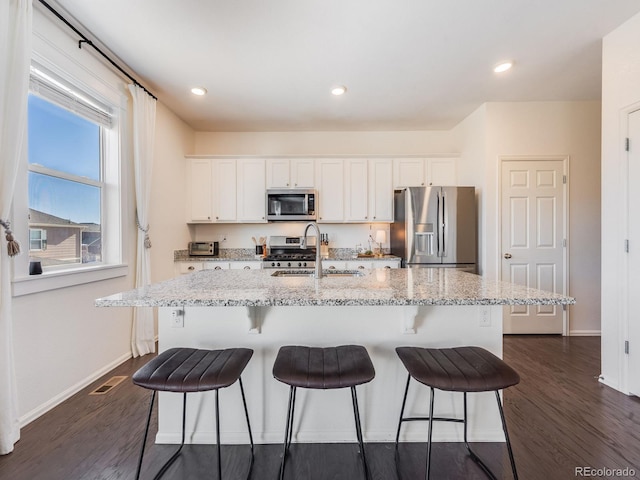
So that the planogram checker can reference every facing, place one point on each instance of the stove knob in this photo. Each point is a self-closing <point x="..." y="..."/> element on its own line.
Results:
<point x="273" y="264"/>
<point x="278" y="264"/>
<point x="289" y="264"/>
<point x="304" y="264"/>
<point x="299" y="264"/>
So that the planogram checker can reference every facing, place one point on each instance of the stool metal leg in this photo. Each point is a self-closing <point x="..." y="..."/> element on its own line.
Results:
<point x="246" y="413"/>
<point x="146" y="431"/>
<point x="166" y="466"/>
<point x="506" y="436"/>
<point x="218" y="436"/>
<point x="472" y="454"/>
<point x="404" y="402"/>
<point x="356" y="414"/>
<point x="430" y="434"/>
<point x="288" y="429"/>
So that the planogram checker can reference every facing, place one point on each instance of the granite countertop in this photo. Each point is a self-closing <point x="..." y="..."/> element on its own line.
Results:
<point x="394" y="287"/>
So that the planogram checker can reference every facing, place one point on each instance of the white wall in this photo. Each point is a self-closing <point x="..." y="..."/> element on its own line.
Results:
<point x="620" y="93"/>
<point x="61" y="341"/>
<point x="168" y="231"/>
<point x="541" y="128"/>
<point x="324" y="143"/>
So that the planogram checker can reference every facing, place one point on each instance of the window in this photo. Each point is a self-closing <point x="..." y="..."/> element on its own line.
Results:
<point x="66" y="187"/>
<point x="37" y="239"/>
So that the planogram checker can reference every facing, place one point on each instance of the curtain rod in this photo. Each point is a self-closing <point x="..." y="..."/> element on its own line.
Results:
<point x="84" y="39"/>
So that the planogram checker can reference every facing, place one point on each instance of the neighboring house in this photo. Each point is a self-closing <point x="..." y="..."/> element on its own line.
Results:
<point x="58" y="241"/>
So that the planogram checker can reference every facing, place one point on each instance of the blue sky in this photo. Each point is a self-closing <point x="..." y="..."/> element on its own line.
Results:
<point x="63" y="141"/>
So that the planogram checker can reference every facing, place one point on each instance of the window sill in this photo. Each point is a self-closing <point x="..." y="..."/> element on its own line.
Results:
<point x="66" y="278"/>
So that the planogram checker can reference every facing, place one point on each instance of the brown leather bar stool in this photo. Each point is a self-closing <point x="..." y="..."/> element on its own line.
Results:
<point x="344" y="366"/>
<point x="460" y="369"/>
<point x="187" y="370"/>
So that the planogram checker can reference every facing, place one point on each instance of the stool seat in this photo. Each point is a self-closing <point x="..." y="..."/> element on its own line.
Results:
<point x="192" y="370"/>
<point x="460" y="369"/>
<point x="323" y="368"/>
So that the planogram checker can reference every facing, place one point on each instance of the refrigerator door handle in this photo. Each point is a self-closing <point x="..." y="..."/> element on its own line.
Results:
<point x="443" y="226"/>
<point x="438" y="229"/>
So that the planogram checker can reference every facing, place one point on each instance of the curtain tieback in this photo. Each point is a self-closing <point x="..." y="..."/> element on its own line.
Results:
<point x="13" y="247"/>
<point x="147" y="240"/>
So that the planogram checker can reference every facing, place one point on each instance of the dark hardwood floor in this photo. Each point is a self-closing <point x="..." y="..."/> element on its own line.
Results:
<point x="559" y="417"/>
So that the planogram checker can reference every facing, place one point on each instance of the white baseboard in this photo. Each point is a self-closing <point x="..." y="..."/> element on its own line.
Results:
<point x="584" y="333"/>
<point x="69" y="392"/>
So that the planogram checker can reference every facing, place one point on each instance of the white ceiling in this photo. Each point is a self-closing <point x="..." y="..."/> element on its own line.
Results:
<point x="408" y="64"/>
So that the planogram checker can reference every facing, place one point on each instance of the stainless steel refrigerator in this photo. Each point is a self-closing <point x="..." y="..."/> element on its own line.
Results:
<point x="435" y="227"/>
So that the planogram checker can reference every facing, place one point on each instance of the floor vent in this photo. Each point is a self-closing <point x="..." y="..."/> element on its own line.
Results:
<point x="108" y="385"/>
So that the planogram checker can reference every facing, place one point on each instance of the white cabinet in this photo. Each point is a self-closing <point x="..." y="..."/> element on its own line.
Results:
<point x="290" y="173"/>
<point x="408" y="172"/>
<point x="200" y="189"/>
<point x="419" y="172"/>
<point x="330" y="178"/>
<point x="257" y="265"/>
<point x="183" y="268"/>
<point x="380" y="186"/>
<point x="334" y="265"/>
<point x="216" y="265"/>
<point x="251" y="190"/>
<point x="224" y="190"/>
<point x="356" y="188"/>
<point x="442" y="171"/>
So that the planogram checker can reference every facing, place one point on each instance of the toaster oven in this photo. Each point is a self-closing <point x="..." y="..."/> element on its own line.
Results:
<point x="203" y="249"/>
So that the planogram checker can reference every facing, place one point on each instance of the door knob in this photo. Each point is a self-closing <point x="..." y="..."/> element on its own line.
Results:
<point x="507" y="256"/>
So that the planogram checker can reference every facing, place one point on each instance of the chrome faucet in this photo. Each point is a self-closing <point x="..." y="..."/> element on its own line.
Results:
<point x="303" y="245"/>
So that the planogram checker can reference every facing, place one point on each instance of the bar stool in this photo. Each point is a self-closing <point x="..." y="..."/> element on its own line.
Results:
<point x="460" y="369"/>
<point x="187" y="370"/>
<point x="323" y="368"/>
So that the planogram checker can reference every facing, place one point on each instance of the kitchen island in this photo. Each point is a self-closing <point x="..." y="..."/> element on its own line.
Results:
<point x="380" y="309"/>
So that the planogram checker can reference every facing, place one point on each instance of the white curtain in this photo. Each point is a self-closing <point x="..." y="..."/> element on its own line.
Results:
<point x="15" y="58"/>
<point x="144" y="123"/>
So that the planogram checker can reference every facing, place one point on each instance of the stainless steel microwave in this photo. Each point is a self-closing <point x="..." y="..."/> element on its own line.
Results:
<point x="291" y="204"/>
<point x="203" y="249"/>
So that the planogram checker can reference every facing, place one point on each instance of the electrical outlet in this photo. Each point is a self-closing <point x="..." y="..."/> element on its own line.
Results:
<point x="484" y="317"/>
<point x="177" y="319"/>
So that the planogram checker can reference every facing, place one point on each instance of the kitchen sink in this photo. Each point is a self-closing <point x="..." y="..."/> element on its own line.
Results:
<point x="310" y="273"/>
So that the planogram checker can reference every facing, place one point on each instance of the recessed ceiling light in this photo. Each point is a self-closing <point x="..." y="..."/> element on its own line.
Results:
<point x="338" y="90"/>
<point x="503" y="67"/>
<point x="199" y="91"/>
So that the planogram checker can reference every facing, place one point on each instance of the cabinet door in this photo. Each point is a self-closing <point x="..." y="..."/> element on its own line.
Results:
<point x="408" y="172"/>
<point x="356" y="190"/>
<point x="302" y="173"/>
<point x="216" y="265"/>
<point x="278" y="173"/>
<point x="225" y="190"/>
<point x="442" y="172"/>
<point x="183" y="268"/>
<point x="360" y="265"/>
<point x="386" y="264"/>
<point x="330" y="190"/>
<point x="381" y="190"/>
<point x="245" y="265"/>
<point x="334" y="265"/>
<point x="199" y="191"/>
<point x="251" y="196"/>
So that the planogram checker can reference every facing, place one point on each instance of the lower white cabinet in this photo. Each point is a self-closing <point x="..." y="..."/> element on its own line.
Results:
<point x="257" y="265"/>
<point x="216" y="265"/>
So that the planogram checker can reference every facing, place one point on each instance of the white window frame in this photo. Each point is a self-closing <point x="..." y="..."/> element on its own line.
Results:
<point x="43" y="238"/>
<point x="60" y="56"/>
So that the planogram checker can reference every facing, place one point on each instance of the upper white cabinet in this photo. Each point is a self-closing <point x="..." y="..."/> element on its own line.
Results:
<point x="420" y="172"/>
<point x="200" y="188"/>
<point x="290" y="173"/>
<point x="356" y="188"/>
<point x="380" y="190"/>
<point x="330" y="185"/>
<point x="251" y="185"/>
<point x="225" y="190"/>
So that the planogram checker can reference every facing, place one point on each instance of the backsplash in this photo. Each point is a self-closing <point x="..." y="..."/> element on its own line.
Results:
<point x="239" y="236"/>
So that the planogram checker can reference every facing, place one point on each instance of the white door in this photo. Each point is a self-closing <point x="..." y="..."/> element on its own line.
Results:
<point x="532" y="250"/>
<point x="633" y="180"/>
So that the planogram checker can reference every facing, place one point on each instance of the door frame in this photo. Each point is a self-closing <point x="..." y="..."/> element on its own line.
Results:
<point x="565" y="230"/>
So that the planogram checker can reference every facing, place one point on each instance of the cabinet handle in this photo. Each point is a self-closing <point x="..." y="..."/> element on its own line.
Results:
<point x="422" y="184"/>
<point x="247" y="267"/>
<point x="218" y="268"/>
<point x="191" y="268"/>
<point x="360" y="267"/>
<point x="287" y="184"/>
<point x="295" y="184"/>
<point x="216" y="218"/>
<point x="388" y="267"/>
<point x="332" y="267"/>
<point x="208" y="218"/>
